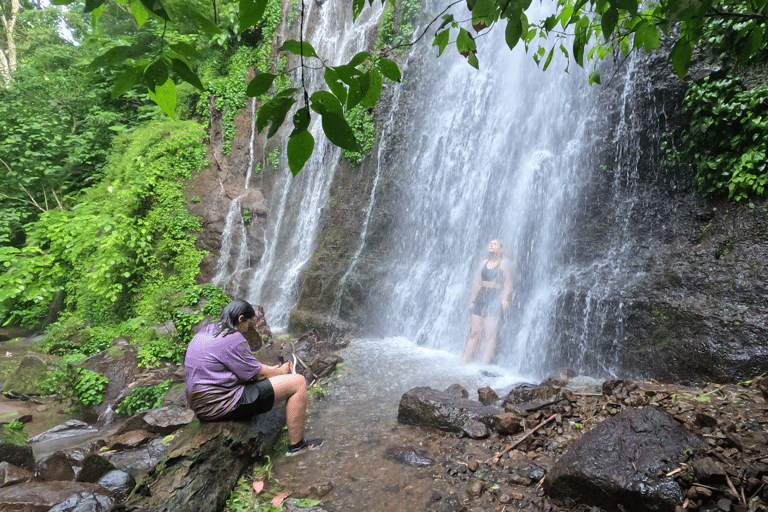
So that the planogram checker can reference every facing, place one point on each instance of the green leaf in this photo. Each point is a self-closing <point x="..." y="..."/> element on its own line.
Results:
<point x="251" y="12"/>
<point x="186" y="50"/>
<point x="339" y="132"/>
<point x="594" y="78"/>
<point x="127" y="80"/>
<point x="156" y="8"/>
<point x="156" y="74"/>
<point x="165" y="97"/>
<point x="90" y="5"/>
<point x="279" y="113"/>
<point x="207" y="25"/>
<point x="390" y="70"/>
<point x="301" y="119"/>
<point x="300" y="147"/>
<point x="111" y="57"/>
<point x="298" y="48"/>
<point x="549" y="58"/>
<point x="628" y="5"/>
<point x="140" y="13"/>
<point x="323" y="102"/>
<point x="357" y="8"/>
<point x="359" y="58"/>
<point x="681" y="57"/>
<point x="608" y="22"/>
<point x="513" y="32"/>
<point x="374" y="89"/>
<point x="336" y="87"/>
<point x="441" y="41"/>
<point x="260" y="84"/>
<point x="186" y="74"/>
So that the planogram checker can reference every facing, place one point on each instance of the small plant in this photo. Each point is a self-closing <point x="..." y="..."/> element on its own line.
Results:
<point x="90" y="387"/>
<point x="196" y="199"/>
<point x="246" y="216"/>
<point x="14" y="433"/>
<point x="143" y="398"/>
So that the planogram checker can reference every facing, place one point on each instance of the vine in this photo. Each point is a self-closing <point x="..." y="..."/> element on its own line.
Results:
<point x="724" y="138"/>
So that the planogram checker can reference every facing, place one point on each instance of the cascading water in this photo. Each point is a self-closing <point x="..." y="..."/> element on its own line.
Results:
<point x="513" y="153"/>
<point x="297" y="205"/>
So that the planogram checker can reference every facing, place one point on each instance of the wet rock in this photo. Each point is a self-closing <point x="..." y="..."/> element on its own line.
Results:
<point x="93" y="468"/>
<point x="508" y="423"/>
<point x="85" y="502"/>
<point x="11" y="475"/>
<point x="475" y="487"/>
<point x="523" y="468"/>
<point x="323" y="365"/>
<point x="28" y="379"/>
<point x="528" y="392"/>
<point x="320" y="489"/>
<point x="118" y="482"/>
<point x="457" y="390"/>
<point x="165" y="420"/>
<point x="130" y="440"/>
<point x="55" y="467"/>
<point x="69" y="428"/>
<point x="427" y="407"/>
<point x="487" y="396"/>
<point x="409" y="456"/>
<point x="43" y="496"/>
<point x="622" y="462"/>
<point x="20" y="456"/>
<point x="167" y="329"/>
<point x="204" y="463"/>
<point x="139" y="460"/>
<point x="707" y="471"/>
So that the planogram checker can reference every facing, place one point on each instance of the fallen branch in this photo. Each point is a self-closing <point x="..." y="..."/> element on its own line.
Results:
<point x="496" y="457"/>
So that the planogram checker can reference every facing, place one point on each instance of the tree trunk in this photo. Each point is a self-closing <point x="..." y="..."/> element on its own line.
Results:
<point x="8" y="56"/>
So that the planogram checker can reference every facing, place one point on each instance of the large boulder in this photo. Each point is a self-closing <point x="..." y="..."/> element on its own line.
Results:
<point x="204" y="463"/>
<point x="621" y="464"/>
<point x="427" y="407"/>
<point x="29" y="378"/>
<point x="43" y="496"/>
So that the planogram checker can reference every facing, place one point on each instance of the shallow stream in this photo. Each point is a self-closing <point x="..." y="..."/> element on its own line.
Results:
<point x="358" y="422"/>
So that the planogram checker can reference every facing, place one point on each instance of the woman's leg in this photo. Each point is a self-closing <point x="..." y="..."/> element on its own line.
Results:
<point x="488" y="347"/>
<point x="475" y="332"/>
<point x="292" y="389"/>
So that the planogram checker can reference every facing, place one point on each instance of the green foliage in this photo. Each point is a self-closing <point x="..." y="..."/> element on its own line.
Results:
<point x="150" y="353"/>
<point x="362" y="123"/>
<point x="14" y="433"/>
<point x="215" y="298"/>
<point x="89" y="387"/>
<point x="724" y="138"/>
<point x="246" y="216"/>
<point x="143" y="398"/>
<point x="129" y="238"/>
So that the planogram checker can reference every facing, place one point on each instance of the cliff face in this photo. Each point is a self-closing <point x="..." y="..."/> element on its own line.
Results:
<point x="693" y="301"/>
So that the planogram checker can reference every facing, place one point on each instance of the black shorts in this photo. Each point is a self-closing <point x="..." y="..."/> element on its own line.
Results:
<point x="488" y="302"/>
<point x="258" y="397"/>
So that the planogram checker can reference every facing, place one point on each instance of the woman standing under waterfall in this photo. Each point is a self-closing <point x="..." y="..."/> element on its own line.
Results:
<point x="490" y="299"/>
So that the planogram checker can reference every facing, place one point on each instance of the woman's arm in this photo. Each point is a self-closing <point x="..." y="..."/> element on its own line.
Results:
<point x="506" y="270"/>
<point x="478" y="285"/>
<point x="267" y="372"/>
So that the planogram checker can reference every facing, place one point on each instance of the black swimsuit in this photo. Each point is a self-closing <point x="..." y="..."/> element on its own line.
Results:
<point x="488" y="301"/>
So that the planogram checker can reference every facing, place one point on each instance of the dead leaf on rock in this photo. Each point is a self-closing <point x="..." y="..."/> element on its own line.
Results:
<point x="258" y="485"/>
<point x="279" y="499"/>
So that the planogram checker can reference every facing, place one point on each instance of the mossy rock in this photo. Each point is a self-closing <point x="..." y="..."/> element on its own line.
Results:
<point x="30" y="376"/>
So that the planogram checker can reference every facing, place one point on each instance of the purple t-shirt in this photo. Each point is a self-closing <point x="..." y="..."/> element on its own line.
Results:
<point x="216" y="369"/>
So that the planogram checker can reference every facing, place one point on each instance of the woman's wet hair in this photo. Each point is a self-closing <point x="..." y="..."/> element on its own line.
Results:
<point x="229" y="317"/>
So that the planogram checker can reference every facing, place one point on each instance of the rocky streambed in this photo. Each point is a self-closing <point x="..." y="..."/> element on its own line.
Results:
<point x="566" y="444"/>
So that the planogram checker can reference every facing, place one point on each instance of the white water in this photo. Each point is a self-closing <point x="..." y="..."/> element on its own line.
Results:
<point x="298" y="203"/>
<point x="505" y="152"/>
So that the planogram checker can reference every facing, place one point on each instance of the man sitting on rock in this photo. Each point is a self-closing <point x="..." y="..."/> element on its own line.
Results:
<point x="226" y="382"/>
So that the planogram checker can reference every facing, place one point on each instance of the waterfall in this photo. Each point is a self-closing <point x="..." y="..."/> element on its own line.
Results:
<point x="234" y="228"/>
<point x="297" y="204"/>
<point x="513" y="153"/>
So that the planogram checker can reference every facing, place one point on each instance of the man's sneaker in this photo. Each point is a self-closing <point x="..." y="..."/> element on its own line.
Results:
<point x="291" y="358"/>
<point x="304" y="446"/>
